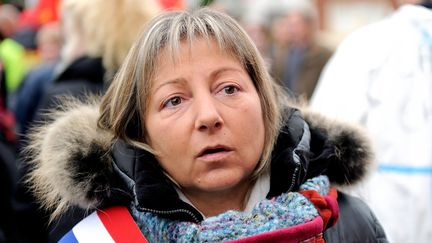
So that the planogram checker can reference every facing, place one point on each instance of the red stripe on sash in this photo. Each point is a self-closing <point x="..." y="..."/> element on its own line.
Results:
<point x="120" y="225"/>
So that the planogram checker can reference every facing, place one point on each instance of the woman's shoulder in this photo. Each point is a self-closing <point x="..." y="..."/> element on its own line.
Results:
<point x="356" y="223"/>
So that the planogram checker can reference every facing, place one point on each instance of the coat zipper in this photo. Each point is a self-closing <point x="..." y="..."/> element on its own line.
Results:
<point x="171" y="212"/>
<point x="293" y="178"/>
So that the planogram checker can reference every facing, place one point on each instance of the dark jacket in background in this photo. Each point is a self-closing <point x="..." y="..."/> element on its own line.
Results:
<point x="82" y="77"/>
<point x="29" y="94"/>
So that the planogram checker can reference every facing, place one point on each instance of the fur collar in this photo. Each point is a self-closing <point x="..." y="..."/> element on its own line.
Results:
<point x="72" y="163"/>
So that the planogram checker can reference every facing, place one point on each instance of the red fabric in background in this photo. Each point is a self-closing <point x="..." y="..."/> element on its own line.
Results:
<point x="172" y="4"/>
<point x="45" y="11"/>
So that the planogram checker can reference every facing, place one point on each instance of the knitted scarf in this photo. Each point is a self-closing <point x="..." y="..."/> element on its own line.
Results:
<point x="295" y="216"/>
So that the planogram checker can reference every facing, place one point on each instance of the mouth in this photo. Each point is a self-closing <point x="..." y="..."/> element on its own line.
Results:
<point x="213" y="152"/>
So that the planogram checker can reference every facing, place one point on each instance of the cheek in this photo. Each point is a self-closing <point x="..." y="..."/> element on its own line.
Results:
<point x="255" y="113"/>
<point x="165" y="145"/>
<point x="251" y="124"/>
<point x="259" y="124"/>
<point x="168" y="139"/>
<point x="160" y="135"/>
<point x="258" y="129"/>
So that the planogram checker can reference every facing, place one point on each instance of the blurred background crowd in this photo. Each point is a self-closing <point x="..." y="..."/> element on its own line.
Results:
<point x="326" y="53"/>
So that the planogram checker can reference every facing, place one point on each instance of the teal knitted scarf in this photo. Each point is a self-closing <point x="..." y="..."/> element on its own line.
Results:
<point x="284" y="211"/>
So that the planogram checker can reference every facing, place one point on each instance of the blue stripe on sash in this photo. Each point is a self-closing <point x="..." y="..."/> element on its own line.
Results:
<point x="69" y="238"/>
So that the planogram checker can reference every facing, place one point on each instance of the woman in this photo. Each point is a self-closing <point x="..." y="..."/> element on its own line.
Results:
<point x="97" y="36"/>
<point x="196" y="143"/>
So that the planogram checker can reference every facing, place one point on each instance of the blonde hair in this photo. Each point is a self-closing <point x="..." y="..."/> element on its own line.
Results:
<point x="123" y="106"/>
<point x="108" y="28"/>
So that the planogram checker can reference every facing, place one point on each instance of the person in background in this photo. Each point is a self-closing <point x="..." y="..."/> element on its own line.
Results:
<point x="194" y="142"/>
<point x="49" y="43"/>
<point x="297" y="55"/>
<point x="258" y="31"/>
<point x="380" y="77"/>
<point x="12" y="53"/>
<point x="97" y="35"/>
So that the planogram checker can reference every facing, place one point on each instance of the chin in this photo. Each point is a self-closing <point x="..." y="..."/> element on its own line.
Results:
<point x="220" y="182"/>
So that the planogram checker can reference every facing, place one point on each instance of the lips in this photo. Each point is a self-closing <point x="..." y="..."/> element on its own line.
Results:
<point x="213" y="152"/>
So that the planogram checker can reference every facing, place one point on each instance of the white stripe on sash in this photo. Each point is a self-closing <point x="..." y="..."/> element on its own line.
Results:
<point x="91" y="229"/>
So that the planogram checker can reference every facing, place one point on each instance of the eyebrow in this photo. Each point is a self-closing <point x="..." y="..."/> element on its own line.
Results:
<point x="173" y="81"/>
<point x="213" y="74"/>
<point x="218" y="71"/>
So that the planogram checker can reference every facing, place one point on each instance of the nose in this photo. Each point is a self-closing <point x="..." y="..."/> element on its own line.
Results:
<point x="208" y="117"/>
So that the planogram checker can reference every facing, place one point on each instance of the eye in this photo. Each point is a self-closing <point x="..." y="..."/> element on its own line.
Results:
<point x="174" y="101"/>
<point x="230" y="89"/>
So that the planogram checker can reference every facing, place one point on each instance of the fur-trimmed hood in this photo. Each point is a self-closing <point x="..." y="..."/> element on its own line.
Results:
<point x="72" y="162"/>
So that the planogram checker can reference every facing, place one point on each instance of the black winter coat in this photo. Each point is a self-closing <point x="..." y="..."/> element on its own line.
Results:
<point x="108" y="174"/>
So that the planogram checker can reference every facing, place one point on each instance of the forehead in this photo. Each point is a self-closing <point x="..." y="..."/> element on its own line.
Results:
<point x="199" y="51"/>
<point x="177" y="52"/>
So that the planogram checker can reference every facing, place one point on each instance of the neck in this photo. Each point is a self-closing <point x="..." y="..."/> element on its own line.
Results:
<point x="214" y="203"/>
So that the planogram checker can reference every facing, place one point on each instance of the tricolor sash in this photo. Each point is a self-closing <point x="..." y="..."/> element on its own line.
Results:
<point x="114" y="224"/>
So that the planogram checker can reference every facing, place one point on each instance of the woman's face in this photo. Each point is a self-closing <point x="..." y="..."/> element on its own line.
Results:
<point x="204" y="119"/>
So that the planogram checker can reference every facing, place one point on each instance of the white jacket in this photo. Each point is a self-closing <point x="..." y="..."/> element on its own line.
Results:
<point x="381" y="77"/>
